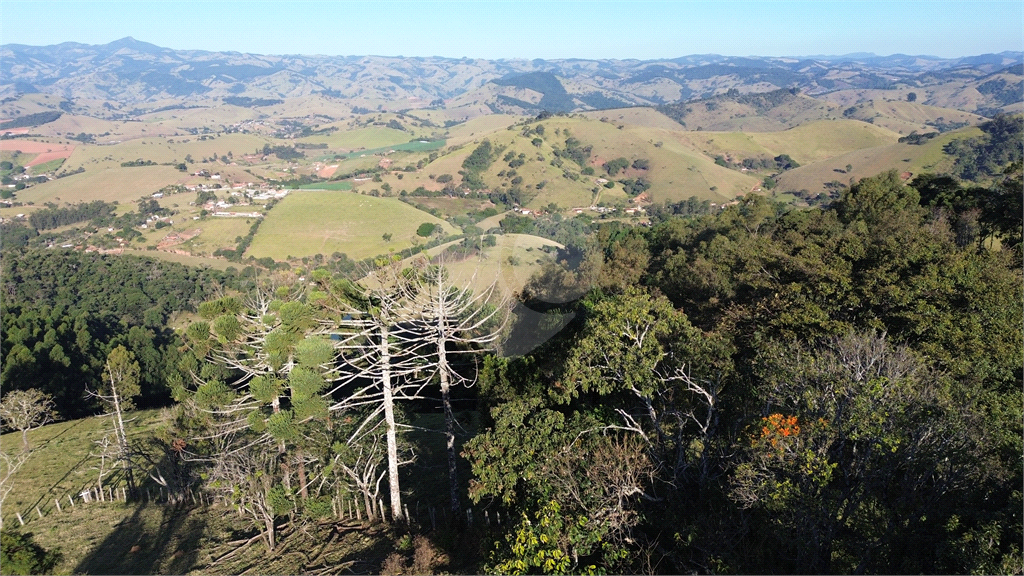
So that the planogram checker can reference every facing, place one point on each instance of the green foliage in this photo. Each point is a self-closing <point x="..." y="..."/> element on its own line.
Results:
<point x="49" y="218"/>
<point x="985" y="157"/>
<point x="19" y="554"/>
<point x="425" y="229"/>
<point x="874" y="199"/>
<point x="614" y="166"/>
<point x="480" y="158"/>
<point x="549" y="544"/>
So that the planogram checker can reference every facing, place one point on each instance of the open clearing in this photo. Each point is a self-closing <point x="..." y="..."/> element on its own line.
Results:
<point x="311" y="222"/>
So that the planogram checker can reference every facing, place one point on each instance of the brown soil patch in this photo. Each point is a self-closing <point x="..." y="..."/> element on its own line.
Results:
<point x="327" y="171"/>
<point x="47" y="156"/>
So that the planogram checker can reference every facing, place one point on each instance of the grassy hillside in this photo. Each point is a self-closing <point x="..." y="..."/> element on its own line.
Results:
<point x="904" y="117"/>
<point x="311" y="222"/>
<point x="914" y="159"/>
<point x="149" y="536"/>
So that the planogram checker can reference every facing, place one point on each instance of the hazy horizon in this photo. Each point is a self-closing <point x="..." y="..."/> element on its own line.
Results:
<point x="531" y="30"/>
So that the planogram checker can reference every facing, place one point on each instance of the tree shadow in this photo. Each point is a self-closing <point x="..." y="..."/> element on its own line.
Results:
<point x="134" y="547"/>
<point x="158" y="538"/>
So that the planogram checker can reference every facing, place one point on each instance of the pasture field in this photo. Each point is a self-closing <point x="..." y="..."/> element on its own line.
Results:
<point x="218" y="232"/>
<point x="417" y="146"/>
<point x="59" y="464"/>
<point x="44" y="167"/>
<point x="168" y="150"/>
<point x="806" y="144"/>
<point x="360" y="139"/>
<point x="452" y="206"/>
<point x="111" y="184"/>
<point x="509" y="264"/>
<point x="825" y="139"/>
<point x="904" y="117"/>
<point x="147" y="536"/>
<point x="310" y="222"/>
<point x="478" y="127"/>
<point x="336" y="186"/>
<point x="639" y="116"/>
<point x="870" y="161"/>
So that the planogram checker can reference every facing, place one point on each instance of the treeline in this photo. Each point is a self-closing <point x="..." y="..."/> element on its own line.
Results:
<point x="282" y="152"/>
<point x="246" y="102"/>
<point x="63" y="311"/>
<point x="36" y="119"/>
<point x="56" y="217"/>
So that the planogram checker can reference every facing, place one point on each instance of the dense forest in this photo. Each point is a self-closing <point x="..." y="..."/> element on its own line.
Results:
<point x="64" y="311"/>
<point x="753" y="389"/>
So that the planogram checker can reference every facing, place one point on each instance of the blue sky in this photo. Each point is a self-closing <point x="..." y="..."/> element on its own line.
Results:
<point x="565" y="29"/>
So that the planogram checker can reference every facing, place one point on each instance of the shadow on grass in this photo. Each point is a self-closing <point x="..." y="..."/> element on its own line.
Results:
<point x="136" y="546"/>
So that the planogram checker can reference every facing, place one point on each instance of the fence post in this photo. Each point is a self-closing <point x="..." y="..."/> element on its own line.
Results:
<point x="57" y="502"/>
<point x="72" y="500"/>
<point x="18" y="514"/>
<point x="38" y="511"/>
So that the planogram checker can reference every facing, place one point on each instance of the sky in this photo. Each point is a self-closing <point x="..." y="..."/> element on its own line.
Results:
<point x="549" y="30"/>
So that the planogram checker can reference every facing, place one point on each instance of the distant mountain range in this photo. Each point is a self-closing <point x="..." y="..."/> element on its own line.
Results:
<point x="132" y="72"/>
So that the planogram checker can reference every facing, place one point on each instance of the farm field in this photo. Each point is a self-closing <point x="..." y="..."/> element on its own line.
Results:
<point x="110" y="184"/>
<point x="309" y="222"/>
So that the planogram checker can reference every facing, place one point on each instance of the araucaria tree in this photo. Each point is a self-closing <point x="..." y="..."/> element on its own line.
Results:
<point x="456" y="323"/>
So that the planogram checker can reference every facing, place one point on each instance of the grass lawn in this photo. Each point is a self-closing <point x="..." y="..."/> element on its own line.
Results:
<point x="311" y="222"/>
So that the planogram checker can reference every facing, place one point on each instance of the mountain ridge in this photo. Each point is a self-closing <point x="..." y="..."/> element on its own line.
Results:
<point x="132" y="71"/>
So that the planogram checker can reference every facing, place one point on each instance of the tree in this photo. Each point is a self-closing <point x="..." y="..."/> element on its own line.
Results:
<point x="9" y="466"/>
<point x="19" y="554"/>
<point x="120" y="386"/>
<point x="27" y="409"/>
<point x="456" y="323"/>
<point x="381" y="345"/>
<point x="912" y="97"/>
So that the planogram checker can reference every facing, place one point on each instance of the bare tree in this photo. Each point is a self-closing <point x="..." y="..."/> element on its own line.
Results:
<point x="383" y="346"/>
<point x="27" y="409"/>
<point x="120" y="386"/>
<point x="9" y="465"/>
<point x="246" y="477"/>
<point x="455" y="322"/>
<point x="108" y="452"/>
